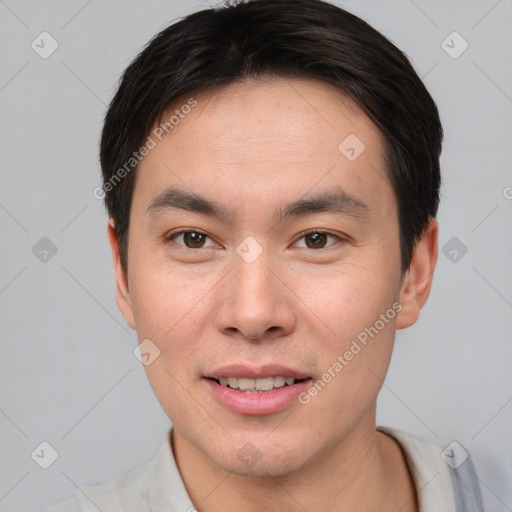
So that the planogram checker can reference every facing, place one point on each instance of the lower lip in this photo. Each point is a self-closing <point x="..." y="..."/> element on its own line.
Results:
<point x="257" y="403"/>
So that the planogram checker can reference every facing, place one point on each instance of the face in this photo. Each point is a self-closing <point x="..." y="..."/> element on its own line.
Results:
<point x="264" y="246"/>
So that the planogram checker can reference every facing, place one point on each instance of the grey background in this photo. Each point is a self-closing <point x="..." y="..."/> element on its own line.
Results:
<point x="68" y="375"/>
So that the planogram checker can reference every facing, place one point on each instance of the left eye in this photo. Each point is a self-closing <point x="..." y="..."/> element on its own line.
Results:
<point x="317" y="239"/>
<point x="191" y="239"/>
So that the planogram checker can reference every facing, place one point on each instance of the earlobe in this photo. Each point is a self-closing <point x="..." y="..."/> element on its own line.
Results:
<point x="123" y="298"/>
<point x="417" y="281"/>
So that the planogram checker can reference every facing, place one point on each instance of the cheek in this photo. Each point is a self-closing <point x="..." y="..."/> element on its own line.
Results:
<point x="170" y="311"/>
<point x="346" y="300"/>
<point x="357" y="306"/>
<point x="163" y="296"/>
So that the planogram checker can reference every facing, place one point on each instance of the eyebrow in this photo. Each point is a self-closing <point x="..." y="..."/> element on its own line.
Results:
<point x="336" y="201"/>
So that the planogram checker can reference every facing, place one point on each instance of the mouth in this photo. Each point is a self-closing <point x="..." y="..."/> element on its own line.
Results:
<point x="250" y="390"/>
<point x="259" y="385"/>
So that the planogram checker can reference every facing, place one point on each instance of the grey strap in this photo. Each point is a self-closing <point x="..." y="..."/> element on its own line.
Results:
<point x="466" y="488"/>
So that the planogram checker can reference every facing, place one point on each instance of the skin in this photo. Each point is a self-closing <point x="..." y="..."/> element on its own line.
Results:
<point x="253" y="147"/>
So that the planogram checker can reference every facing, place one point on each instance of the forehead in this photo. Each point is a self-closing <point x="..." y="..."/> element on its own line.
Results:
<point x="244" y="112"/>
<point x="255" y="135"/>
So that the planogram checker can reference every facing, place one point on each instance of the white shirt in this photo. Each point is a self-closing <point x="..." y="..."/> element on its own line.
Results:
<point x="157" y="486"/>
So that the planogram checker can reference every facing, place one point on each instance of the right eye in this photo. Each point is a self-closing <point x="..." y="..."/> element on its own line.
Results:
<point x="190" y="239"/>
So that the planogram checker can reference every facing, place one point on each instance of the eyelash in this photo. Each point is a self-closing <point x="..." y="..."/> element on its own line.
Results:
<point x="302" y="235"/>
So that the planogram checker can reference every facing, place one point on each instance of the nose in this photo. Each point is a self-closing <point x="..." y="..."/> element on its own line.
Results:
<point x="254" y="301"/>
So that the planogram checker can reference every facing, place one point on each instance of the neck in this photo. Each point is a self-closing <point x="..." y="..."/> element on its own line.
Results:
<point x="366" y="470"/>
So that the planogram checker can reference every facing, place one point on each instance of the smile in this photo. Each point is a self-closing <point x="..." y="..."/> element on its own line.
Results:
<point x="260" y="385"/>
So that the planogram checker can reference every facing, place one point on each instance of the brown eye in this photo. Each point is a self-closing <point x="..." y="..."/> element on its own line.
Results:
<point x="315" y="240"/>
<point x="190" y="239"/>
<point x="318" y="240"/>
<point x="193" y="239"/>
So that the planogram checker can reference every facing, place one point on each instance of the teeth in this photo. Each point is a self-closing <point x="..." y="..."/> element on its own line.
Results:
<point x="256" y="385"/>
<point x="245" y="384"/>
<point x="279" y="382"/>
<point x="265" y="384"/>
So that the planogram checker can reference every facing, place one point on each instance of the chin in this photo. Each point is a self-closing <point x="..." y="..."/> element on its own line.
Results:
<point x="261" y="458"/>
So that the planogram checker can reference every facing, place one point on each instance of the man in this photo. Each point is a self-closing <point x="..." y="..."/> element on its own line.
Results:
<point x="271" y="173"/>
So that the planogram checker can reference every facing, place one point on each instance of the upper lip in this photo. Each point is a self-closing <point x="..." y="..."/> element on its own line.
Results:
<point x="256" y="372"/>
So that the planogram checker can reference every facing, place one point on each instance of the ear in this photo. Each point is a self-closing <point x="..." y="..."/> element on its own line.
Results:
<point x="123" y="299"/>
<point x="418" y="278"/>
